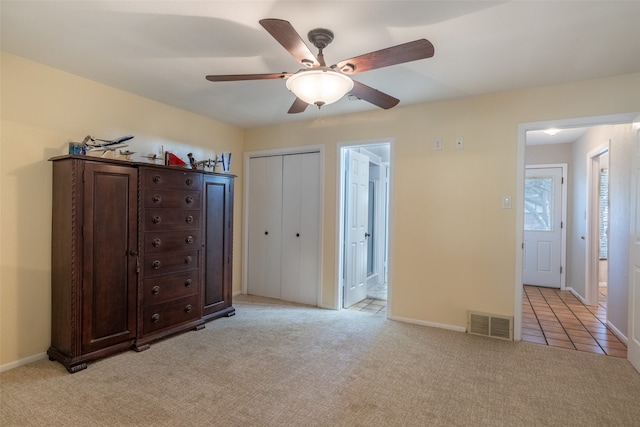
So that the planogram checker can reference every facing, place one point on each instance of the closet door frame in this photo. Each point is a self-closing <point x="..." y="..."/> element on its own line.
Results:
<point x="246" y="206"/>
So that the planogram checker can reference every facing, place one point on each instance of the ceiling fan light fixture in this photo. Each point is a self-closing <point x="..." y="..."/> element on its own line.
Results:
<point x="319" y="86"/>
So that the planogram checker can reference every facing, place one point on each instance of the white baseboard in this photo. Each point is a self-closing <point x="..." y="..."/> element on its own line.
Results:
<point x="577" y="295"/>
<point x="431" y="324"/>
<point x="21" y="362"/>
<point x="617" y="333"/>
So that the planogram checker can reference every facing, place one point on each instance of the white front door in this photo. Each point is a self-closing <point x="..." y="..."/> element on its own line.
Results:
<point x="543" y="226"/>
<point x="633" y="345"/>
<point x="357" y="197"/>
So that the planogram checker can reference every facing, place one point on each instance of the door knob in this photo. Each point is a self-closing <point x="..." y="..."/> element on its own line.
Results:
<point x="366" y="235"/>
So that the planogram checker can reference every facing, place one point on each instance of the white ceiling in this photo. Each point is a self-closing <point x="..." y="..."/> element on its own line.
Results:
<point x="565" y="136"/>
<point x="162" y="50"/>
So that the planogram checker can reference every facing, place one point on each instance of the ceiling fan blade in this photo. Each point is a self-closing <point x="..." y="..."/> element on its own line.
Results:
<point x="237" y="77"/>
<point x="407" y="52"/>
<point x="289" y="38"/>
<point x="298" y="106"/>
<point x="373" y="96"/>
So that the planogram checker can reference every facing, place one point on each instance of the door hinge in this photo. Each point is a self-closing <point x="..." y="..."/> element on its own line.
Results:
<point x="562" y="180"/>
<point x="560" y="269"/>
<point x="561" y="225"/>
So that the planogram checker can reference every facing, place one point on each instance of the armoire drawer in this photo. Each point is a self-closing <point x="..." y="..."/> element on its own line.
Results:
<point x="171" y="313"/>
<point x="174" y="199"/>
<point x="171" y="219"/>
<point x="168" y="287"/>
<point x="171" y="262"/>
<point x="157" y="178"/>
<point x="170" y="241"/>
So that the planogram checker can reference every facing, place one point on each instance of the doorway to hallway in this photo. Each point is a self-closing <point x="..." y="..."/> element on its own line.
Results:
<point x="363" y="226"/>
<point x="618" y="132"/>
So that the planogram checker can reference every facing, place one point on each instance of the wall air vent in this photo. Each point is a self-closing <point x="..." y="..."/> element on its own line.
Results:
<point x="490" y="325"/>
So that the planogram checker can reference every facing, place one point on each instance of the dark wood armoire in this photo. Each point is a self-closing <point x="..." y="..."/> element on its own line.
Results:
<point x="139" y="252"/>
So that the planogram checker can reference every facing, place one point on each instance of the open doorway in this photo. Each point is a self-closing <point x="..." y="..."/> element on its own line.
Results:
<point x="364" y="194"/>
<point x="597" y="226"/>
<point x="599" y="177"/>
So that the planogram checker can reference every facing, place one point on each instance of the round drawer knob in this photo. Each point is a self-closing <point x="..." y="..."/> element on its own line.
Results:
<point x="156" y="242"/>
<point x="156" y="264"/>
<point x="157" y="179"/>
<point x="189" y="181"/>
<point x="188" y="283"/>
<point x="156" y="199"/>
<point x="188" y="259"/>
<point x="189" y="219"/>
<point x="189" y="239"/>
<point x="189" y="199"/>
<point x="155" y="318"/>
<point x="156" y="220"/>
<point x="155" y="290"/>
<point x="188" y="308"/>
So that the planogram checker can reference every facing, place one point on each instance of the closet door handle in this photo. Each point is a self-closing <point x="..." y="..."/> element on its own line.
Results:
<point x="297" y="234"/>
<point x="266" y="233"/>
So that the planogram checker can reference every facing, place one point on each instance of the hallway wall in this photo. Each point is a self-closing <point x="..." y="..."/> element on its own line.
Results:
<point x="621" y="137"/>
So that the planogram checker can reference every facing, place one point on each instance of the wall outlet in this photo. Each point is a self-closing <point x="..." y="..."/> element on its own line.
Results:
<point x="437" y="144"/>
<point x="459" y="143"/>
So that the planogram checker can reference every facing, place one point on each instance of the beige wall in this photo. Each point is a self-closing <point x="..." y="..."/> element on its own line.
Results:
<point x="548" y="154"/>
<point x="452" y="245"/>
<point x="42" y="110"/>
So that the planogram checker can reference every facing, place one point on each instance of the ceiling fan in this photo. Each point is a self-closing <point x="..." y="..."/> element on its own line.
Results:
<point x="321" y="85"/>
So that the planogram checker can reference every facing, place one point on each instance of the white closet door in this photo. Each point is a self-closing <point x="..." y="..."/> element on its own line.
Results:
<point x="264" y="228"/>
<point x="301" y="228"/>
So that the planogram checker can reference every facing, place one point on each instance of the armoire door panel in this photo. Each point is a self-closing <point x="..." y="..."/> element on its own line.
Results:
<point x="218" y="195"/>
<point x="110" y="233"/>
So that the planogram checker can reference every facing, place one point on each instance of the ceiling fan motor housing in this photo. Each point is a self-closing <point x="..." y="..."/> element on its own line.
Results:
<point x="320" y="37"/>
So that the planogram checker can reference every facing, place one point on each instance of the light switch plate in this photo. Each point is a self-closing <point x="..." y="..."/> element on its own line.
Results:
<point x="506" y="202"/>
<point x="459" y="142"/>
<point x="437" y="144"/>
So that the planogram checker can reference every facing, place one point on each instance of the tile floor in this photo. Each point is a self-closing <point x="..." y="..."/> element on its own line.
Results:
<point x="557" y="318"/>
<point x="371" y="305"/>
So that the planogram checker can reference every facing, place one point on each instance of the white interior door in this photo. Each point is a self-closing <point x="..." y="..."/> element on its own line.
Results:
<point x="357" y="195"/>
<point x="633" y="342"/>
<point x="542" y="264"/>
<point x="264" y="226"/>
<point x="301" y="228"/>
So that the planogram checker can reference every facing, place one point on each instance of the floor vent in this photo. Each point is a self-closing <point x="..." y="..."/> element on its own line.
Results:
<point x="490" y="325"/>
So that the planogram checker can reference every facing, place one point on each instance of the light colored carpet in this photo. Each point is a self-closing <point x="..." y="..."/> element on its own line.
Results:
<point x="279" y="364"/>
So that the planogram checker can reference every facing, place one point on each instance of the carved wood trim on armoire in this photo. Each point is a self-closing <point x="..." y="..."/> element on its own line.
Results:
<point x="139" y="252"/>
